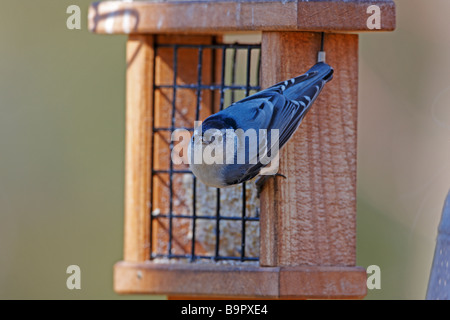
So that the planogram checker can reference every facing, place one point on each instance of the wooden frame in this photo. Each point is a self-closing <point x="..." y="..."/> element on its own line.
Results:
<point x="308" y="222"/>
<point x="311" y="219"/>
<point x="205" y="16"/>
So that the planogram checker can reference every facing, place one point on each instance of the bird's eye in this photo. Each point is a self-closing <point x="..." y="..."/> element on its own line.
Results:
<point x="261" y="106"/>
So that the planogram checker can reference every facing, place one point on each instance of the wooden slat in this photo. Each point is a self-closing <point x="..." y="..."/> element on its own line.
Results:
<point x="223" y="16"/>
<point x="195" y="279"/>
<point x="138" y="147"/>
<point x="323" y="282"/>
<point x="245" y="281"/>
<point x="310" y="217"/>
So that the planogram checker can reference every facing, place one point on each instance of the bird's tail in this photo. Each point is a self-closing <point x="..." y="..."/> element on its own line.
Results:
<point x="318" y="75"/>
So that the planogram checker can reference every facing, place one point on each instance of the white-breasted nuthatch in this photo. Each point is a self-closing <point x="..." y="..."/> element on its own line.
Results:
<point x="274" y="114"/>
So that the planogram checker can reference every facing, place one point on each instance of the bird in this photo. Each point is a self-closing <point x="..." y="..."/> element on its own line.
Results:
<point x="223" y="140"/>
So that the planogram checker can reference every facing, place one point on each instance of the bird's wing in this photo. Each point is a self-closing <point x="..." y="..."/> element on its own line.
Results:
<point x="286" y="117"/>
<point x="293" y="111"/>
<point x="286" y="114"/>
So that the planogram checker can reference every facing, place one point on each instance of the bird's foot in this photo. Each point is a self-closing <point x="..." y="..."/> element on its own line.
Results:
<point x="279" y="175"/>
<point x="262" y="180"/>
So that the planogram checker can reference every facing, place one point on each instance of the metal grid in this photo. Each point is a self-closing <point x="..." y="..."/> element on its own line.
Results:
<point x="228" y="90"/>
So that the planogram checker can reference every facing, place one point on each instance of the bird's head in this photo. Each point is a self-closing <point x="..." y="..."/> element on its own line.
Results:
<point x="209" y="140"/>
<point x="213" y="129"/>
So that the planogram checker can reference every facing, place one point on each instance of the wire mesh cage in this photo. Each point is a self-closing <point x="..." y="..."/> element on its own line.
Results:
<point x="189" y="219"/>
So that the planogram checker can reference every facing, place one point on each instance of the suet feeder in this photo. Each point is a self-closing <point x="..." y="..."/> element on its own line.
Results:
<point x="298" y="240"/>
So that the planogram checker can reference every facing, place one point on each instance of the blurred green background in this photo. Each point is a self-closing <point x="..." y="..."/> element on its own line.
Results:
<point x="62" y="150"/>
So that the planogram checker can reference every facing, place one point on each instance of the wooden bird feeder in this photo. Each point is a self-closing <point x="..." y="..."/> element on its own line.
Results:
<point x="299" y="239"/>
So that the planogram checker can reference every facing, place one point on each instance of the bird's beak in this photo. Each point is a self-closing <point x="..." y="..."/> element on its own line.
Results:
<point x="206" y="142"/>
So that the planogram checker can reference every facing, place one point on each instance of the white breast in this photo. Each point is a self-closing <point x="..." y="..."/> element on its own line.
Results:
<point x="209" y="174"/>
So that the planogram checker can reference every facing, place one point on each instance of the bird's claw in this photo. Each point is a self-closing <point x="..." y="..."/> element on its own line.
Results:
<point x="262" y="180"/>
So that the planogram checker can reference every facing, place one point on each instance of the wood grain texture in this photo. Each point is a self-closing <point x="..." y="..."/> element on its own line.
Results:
<point x="205" y="16"/>
<point x="224" y="281"/>
<point x="323" y="282"/>
<point x="310" y="217"/>
<point x="138" y="147"/>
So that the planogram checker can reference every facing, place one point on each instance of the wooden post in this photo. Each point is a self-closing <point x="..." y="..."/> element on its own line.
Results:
<point x="310" y="217"/>
<point x="138" y="164"/>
